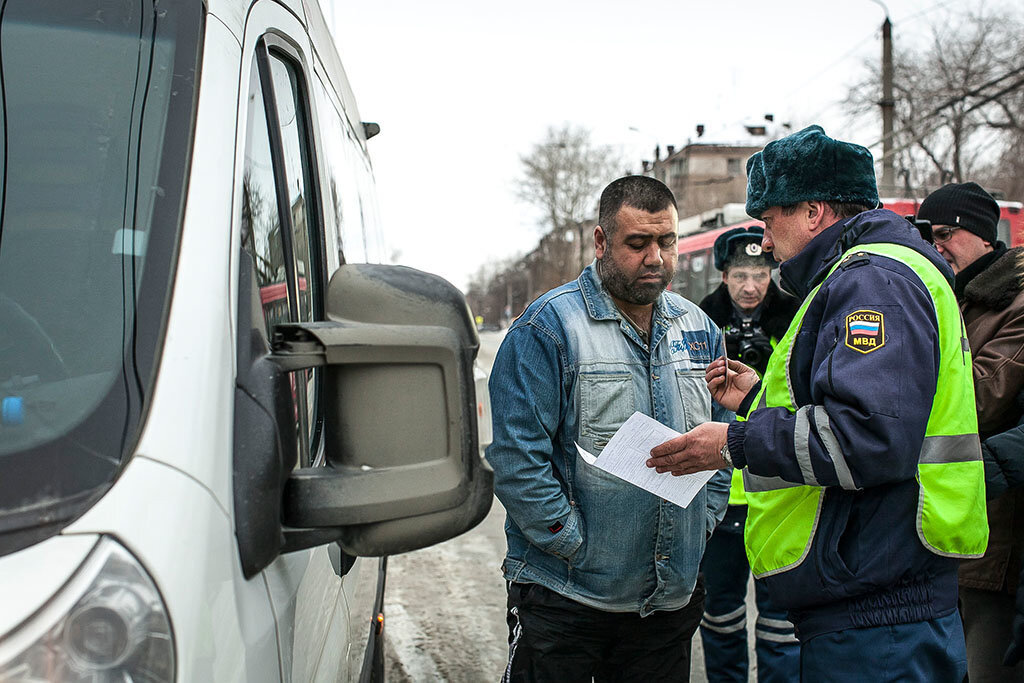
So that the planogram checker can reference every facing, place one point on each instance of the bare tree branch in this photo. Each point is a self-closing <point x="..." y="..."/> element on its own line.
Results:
<point x="563" y="173"/>
<point x="959" y="102"/>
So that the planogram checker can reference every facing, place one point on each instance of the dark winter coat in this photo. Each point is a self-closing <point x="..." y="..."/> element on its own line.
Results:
<point x="1004" y="459"/>
<point x="991" y="294"/>
<point x="1004" y="472"/>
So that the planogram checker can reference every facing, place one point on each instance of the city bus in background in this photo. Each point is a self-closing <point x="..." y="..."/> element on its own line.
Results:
<point x="696" y="275"/>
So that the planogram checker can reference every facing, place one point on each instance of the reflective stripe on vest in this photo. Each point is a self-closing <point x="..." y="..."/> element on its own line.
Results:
<point x="951" y="520"/>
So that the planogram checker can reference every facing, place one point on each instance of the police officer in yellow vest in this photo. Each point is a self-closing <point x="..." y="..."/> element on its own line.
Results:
<point x="859" y="448"/>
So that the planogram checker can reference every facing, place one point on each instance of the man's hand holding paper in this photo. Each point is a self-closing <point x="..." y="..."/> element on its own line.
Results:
<point x="625" y="456"/>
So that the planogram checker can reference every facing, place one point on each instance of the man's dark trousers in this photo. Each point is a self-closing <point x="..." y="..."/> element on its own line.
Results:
<point x="553" y="638"/>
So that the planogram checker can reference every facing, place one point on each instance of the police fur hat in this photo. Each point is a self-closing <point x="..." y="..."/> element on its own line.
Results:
<point x="965" y="205"/>
<point x="810" y="166"/>
<point x="741" y="242"/>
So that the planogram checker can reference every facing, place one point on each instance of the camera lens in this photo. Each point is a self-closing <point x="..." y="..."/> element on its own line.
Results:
<point x="755" y="352"/>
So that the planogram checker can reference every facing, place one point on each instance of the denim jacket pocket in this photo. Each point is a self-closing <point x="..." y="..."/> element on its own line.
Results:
<point x="696" y="399"/>
<point x="606" y="401"/>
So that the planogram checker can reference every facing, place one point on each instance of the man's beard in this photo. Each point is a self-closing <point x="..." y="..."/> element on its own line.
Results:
<point x="628" y="289"/>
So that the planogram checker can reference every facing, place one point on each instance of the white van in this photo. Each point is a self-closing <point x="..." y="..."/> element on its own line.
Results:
<point x="215" y="419"/>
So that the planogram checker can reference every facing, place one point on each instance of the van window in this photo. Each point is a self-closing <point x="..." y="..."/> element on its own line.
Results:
<point x="261" y="223"/>
<point x="342" y="188"/>
<point x="280" y="220"/>
<point x="294" y="141"/>
<point x="350" y="188"/>
<point x="95" y="137"/>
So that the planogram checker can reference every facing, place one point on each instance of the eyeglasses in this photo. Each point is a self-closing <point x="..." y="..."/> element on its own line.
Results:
<point x="941" y="235"/>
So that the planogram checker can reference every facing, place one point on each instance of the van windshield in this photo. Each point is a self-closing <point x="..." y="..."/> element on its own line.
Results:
<point x="96" y="108"/>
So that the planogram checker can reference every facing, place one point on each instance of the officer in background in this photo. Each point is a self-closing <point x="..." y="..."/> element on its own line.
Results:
<point x="754" y="315"/>
<point x="750" y="308"/>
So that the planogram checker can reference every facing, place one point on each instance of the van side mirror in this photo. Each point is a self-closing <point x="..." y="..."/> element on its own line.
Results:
<point x="404" y="469"/>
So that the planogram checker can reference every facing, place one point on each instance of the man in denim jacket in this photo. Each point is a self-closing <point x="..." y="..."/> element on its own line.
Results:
<point x="601" y="573"/>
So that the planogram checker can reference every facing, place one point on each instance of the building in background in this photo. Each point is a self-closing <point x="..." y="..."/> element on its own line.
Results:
<point x="710" y="170"/>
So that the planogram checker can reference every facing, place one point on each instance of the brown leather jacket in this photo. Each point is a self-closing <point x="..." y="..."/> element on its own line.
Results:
<point x="992" y="304"/>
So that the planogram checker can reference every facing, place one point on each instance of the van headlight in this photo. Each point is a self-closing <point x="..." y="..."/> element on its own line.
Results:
<point x="107" y="624"/>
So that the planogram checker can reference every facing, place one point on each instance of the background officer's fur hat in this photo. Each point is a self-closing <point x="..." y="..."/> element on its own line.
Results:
<point x="810" y="166"/>
<point x="741" y="247"/>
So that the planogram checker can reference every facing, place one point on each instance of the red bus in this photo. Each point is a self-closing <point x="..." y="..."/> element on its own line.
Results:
<point x="696" y="276"/>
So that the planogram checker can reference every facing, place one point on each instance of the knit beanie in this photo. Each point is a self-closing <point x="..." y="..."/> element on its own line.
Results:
<point x="965" y="205"/>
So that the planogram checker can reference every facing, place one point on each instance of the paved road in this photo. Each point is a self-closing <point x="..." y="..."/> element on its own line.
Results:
<point x="445" y="605"/>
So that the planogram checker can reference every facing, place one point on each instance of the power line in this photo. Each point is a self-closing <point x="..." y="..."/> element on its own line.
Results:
<point x="926" y="10"/>
<point x="959" y="98"/>
<point x="857" y="46"/>
<point x="917" y="138"/>
<point x="860" y="43"/>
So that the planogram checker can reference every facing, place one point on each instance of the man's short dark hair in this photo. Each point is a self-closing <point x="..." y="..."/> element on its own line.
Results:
<point x="640" y="192"/>
<point x="840" y="209"/>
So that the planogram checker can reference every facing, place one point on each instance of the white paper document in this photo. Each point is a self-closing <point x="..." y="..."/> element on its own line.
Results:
<point x="626" y="457"/>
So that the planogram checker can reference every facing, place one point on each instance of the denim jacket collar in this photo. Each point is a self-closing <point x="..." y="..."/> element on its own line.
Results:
<point x="601" y="306"/>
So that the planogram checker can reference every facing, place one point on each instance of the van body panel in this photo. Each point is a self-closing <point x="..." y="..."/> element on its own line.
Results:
<point x="231" y="12"/>
<point x="223" y="625"/>
<point x="194" y="392"/>
<point x="359" y="589"/>
<point x="304" y="588"/>
<point x="307" y="599"/>
<point x="234" y="12"/>
<point x="50" y="564"/>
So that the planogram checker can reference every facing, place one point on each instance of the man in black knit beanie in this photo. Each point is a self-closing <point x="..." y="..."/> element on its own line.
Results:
<point x="990" y="289"/>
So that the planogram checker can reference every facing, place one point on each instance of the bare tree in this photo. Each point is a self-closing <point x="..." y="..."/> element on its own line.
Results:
<point x="958" y="102"/>
<point x="562" y="175"/>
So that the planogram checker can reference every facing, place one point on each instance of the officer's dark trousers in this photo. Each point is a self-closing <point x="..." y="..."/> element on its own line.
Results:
<point x="723" y="631"/>
<point x="922" y="652"/>
<point x="552" y="638"/>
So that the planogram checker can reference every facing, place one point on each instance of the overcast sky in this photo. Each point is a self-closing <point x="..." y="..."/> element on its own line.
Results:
<point x="462" y="88"/>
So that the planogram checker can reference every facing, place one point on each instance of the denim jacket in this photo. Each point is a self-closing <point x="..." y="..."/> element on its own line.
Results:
<point x="572" y="369"/>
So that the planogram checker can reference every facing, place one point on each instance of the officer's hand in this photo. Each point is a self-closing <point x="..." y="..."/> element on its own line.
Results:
<point x="695" y="451"/>
<point x="729" y="390"/>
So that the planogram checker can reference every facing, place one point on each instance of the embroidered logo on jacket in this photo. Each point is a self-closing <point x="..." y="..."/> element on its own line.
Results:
<point x="696" y="349"/>
<point x="865" y="331"/>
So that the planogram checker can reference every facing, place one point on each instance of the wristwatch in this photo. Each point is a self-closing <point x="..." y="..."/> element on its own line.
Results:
<point x="726" y="455"/>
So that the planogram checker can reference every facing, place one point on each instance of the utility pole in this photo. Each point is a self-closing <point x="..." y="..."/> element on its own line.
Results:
<point x="888" y="104"/>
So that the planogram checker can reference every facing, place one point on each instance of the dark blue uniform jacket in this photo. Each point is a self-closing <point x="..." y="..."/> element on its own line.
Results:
<point x="866" y="566"/>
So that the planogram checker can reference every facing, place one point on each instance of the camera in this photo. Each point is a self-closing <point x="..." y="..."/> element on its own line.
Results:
<point x="748" y="343"/>
<point x="924" y="227"/>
